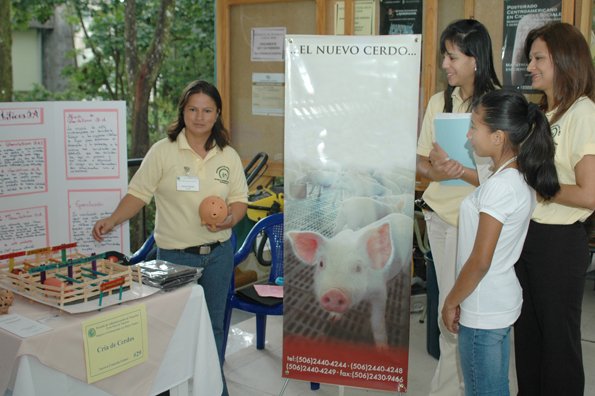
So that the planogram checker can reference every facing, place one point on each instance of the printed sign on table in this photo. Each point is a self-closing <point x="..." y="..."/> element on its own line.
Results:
<point x="115" y="342"/>
<point x="350" y="149"/>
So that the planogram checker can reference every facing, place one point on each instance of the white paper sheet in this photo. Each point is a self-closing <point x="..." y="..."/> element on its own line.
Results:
<point x="21" y="326"/>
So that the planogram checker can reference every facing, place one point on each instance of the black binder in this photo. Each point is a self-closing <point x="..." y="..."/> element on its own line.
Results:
<point x="250" y="294"/>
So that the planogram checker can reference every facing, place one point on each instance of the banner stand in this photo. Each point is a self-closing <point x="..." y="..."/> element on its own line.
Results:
<point x="351" y="117"/>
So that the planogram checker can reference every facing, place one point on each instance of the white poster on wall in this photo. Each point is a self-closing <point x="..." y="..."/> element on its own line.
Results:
<point x="363" y="19"/>
<point x="268" y="44"/>
<point x="350" y="150"/>
<point x="268" y="94"/>
<point x="63" y="166"/>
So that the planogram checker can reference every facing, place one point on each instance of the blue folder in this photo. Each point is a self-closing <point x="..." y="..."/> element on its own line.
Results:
<point x="451" y="135"/>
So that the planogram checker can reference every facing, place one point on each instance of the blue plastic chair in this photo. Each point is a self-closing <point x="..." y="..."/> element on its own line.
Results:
<point x="144" y="250"/>
<point x="273" y="226"/>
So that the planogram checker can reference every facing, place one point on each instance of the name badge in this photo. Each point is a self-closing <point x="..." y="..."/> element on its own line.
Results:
<point x="187" y="183"/>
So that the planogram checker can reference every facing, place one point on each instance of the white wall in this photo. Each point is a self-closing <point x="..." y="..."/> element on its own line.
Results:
<point x="26" y="59"/>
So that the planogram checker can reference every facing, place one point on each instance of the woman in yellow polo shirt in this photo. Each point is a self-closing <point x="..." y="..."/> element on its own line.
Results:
<point x="555" y="256"/>
<point x="195" y="161"/>
<point x="469" y="66"/>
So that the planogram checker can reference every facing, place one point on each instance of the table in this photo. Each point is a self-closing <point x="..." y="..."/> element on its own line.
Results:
<point x="181" y="347"/>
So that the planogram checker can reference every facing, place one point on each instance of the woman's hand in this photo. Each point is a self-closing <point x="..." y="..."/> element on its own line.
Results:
<point x="236" y="212"/>
<point x="451" y="317"/>
<point x="227" y="223"/>
<point x="128" y="207"/>
<point x="101" y="228"/>
<point x="444" y="168"/>
<point x="437" y="153"/>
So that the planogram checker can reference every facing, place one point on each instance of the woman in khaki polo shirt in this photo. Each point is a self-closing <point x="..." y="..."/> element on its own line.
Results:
<point x="195" y="161"/>
<point x="555" y="256"/>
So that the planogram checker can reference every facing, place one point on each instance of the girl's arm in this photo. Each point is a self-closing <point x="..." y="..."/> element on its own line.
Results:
<point x="581" y="195"/>
<point x="474" y="270"/>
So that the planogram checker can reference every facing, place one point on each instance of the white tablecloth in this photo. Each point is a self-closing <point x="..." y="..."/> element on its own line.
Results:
<point x="191" y="353"/>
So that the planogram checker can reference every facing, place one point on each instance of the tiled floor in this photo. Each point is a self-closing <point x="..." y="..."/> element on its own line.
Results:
<point x="250" y="372"/>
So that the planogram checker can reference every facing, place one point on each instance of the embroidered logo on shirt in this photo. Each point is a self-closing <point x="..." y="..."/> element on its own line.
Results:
<point x="222" y="175"/>
<point x="556" y="131"/>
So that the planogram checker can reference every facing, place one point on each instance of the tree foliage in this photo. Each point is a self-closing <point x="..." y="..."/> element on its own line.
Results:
<point x="190" y="54"/>
<point x="5" y="52"/>
<point x="102" y="72"/>
<point x="25" y="11"/>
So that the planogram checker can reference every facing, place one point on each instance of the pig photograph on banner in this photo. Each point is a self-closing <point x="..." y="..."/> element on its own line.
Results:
<point x="350" y="137"/>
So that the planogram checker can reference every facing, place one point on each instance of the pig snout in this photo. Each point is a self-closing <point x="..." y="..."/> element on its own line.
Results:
<point x="334" y="300"/>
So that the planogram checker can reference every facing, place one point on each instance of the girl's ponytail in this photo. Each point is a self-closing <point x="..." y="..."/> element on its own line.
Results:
<point x="536" y="155"/>
<point x="529" y="137"/>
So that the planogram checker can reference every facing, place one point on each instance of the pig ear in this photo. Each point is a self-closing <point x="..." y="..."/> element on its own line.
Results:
<point x="306" y="244"/>
<point x="379" y="246"/>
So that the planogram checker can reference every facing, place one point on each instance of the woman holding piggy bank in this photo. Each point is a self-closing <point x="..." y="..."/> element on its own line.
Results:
<point x="195" y="161"/>
<point x="469" y="66"/>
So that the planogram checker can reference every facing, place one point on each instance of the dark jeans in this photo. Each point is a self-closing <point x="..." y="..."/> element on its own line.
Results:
<point x="547" y="335"/>
<point x="215" y="280"/>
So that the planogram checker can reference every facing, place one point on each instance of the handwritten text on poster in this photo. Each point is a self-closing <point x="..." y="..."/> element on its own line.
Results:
<point x="21" y="116"/>
<point x="85" y="207"/>
<point x="23" y="229"/>
<point x="91" y="139"/>
<point x="23" y="167"/>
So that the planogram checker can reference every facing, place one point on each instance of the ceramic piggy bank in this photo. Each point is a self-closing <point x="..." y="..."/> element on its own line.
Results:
<point x="212" y="210"/>
<point x="6" y="300"/>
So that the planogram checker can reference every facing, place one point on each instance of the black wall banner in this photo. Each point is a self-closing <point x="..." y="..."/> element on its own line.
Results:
<point x="520" y="17"/>
<point x="401" y="17"/>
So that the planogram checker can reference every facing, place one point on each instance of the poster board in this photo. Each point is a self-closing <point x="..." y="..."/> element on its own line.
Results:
<point x="254" y="133"/>
<point x="63" y="166"/>
<point x="350" y="144"/>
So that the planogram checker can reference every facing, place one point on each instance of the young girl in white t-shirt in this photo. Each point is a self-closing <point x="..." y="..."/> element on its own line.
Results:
<point x="493" y="221"/>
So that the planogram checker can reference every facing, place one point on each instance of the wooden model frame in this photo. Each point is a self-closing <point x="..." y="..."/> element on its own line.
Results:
<point x="92" y="277"/>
